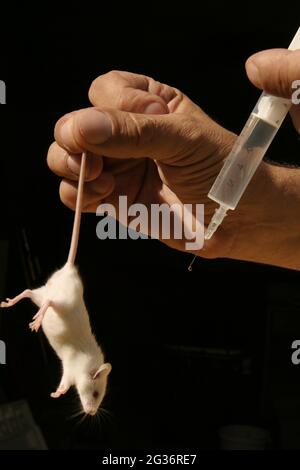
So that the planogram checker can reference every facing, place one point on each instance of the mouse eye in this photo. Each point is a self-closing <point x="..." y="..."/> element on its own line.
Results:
<point x="95" y="394"/>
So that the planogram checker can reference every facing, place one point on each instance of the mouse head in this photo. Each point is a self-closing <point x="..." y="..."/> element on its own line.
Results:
<point x="92" y="387"/>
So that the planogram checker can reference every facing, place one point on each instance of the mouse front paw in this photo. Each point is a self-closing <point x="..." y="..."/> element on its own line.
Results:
<point x="58" y="392"/>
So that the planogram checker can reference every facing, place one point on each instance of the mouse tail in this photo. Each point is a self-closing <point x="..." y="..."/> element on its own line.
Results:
<point x="78" y="210"/>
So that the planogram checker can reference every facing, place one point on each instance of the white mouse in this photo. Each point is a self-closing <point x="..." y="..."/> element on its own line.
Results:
<point x="65" y="321"/>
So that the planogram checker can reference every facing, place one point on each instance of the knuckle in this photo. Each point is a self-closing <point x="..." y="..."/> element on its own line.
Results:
<point x="100" y="82"/>
<point x="166" y="92"/>
<point x="127" y="128"/>
<point x="112" y="74"/>
<point x="121" y="102"/>
<point x="140" y="131"/>
<point x="191" y="128"/>
<point x="156" y="87"/>
<point x="93" y="89"/>
<point x="126" y="101"/>
<point x="131" y="100"/>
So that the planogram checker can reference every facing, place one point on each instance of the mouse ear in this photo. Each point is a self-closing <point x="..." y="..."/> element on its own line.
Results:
<point x="104" y="369"/>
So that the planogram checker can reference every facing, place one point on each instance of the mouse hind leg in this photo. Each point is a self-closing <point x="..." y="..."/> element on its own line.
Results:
<point x="35" y="296"/>
<point x="26" y="294"/>
<point x="38" y="317"/>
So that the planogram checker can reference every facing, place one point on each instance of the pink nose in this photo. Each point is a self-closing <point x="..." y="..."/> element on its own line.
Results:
<point x="89" y="410"/>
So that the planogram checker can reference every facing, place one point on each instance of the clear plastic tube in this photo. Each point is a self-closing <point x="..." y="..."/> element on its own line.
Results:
<point x="248" y="152"/>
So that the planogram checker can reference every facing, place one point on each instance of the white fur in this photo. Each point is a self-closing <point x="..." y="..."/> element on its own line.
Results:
<point x="67" y="327"/>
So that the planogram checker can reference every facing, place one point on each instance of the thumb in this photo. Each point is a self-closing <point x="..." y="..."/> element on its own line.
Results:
<point x="121" y="134"/>
<point x="274" y="71"/>
<point x="277" y="71"/>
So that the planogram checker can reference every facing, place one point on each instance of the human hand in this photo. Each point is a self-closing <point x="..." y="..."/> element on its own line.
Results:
<point x="145" y="140"/>
<point x="173" y="154"/>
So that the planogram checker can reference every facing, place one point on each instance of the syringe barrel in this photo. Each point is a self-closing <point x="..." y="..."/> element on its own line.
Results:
<point x="249" y="150"/>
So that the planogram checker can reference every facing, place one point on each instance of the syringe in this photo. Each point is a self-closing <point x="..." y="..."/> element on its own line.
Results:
<point x="248" y="152"/>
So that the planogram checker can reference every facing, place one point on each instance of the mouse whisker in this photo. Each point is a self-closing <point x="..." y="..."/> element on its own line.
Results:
<point x="99" y="421"/>
<point x="104" y="416"/>
<point x="75" y="415"/>
<point x="82" y="419"/>
<point x="105" y="410"/>
<point x="95" y="422"/>
<point x="106" y="413"/>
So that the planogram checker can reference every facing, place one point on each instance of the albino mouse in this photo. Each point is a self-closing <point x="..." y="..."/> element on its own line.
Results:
<point x="64" y="319"/>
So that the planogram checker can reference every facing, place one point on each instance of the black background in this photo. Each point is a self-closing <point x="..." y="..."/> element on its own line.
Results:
<point x="166" y="331"/>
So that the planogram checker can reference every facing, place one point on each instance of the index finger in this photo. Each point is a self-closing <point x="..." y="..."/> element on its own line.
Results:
<point x="131" y="92"/>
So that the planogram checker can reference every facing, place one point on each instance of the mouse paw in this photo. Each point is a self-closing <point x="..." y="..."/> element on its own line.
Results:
<point x="8" y="303"/>
<point x="59" y="392"/>
<point x="27" y="293"/>
<point x="36" y="324"/>
<point x="38" y="317"/>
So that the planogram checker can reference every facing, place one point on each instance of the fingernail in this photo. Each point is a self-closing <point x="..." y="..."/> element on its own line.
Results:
<point x="73" y="163"/>
<point x="95" y="126"/>
<point x="155" y="108"/>
<point x="66" y="134"/>
<point x="253" y="72"/>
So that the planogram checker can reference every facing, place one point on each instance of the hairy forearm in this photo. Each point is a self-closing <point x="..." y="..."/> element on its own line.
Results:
<point x="265" y="227"/>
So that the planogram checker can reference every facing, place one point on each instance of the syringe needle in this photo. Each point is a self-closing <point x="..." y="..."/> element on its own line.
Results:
<point x="190" y="268"/>
<point x="216" y="220"/>
<point x="248" y="152"/>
